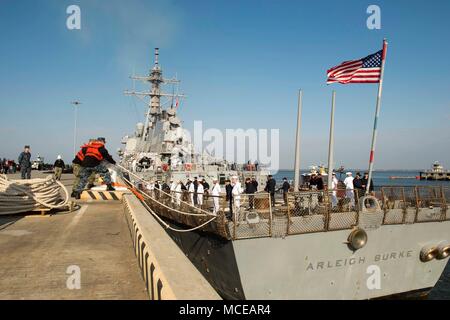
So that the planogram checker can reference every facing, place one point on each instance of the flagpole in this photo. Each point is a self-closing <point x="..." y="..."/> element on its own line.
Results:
<point x="377" y="113"/>
<point x="331" y="142"/>
<point x="297" y="143"/>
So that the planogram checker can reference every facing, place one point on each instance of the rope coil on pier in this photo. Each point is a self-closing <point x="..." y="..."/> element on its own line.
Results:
<point x="26" y="195"/>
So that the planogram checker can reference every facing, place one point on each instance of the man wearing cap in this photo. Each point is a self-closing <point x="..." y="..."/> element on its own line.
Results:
<point x="285" y="187"/>
<point x="58" y="167"/>
<point x="358" y="185"/>
<point x="215" y="193"/>
<point x="334" y="186"/>
<point x="173" y="186"/>
<point x="25" y="163"/>
<point x="364" y="182"/>
<point x="92" y="162"/>
<point x="349" y="188"/>
<point x="236" y="193"/>
<point x="77" y="166"/>
<point x="270" y="188"/>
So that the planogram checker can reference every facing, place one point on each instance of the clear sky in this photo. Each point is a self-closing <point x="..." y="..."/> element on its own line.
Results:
<point x="241" y="64"/>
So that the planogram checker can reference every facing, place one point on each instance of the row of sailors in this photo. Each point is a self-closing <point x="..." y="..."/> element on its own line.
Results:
<point x="198" y="189"/>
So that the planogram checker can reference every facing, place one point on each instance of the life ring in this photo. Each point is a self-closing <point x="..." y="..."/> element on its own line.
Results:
<point x="165" y="166"/>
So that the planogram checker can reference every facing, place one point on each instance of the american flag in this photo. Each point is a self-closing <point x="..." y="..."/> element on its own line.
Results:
<point x="365" y="70"/>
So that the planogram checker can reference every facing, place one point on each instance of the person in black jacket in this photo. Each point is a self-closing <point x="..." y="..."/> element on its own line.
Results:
<point x="270" y="188"/>
<point x="92" y="162"/>
<point x="285" y="187"/>
<point x="58" y="167"/>
<point x="205" y="189"/>
<point x="358" y="186"/>
<point x="250" y="189"/>
<point x="25" y="163"/>
<point x="255" y="183"/>
<point x="365" y="180"/>
<point x="229" y="196"/>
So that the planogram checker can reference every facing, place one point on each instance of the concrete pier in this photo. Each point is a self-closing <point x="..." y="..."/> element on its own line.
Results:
<point x="116" y="247"/>
<point x="37" y="252"/>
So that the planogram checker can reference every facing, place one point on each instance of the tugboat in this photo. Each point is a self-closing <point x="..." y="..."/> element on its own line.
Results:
<point x="437" y="172"/>
<point x="38" y="164"/>
<point x="311" y="245"/>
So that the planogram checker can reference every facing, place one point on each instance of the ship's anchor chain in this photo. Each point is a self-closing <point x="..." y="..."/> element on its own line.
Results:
<point x="166" y="225"/>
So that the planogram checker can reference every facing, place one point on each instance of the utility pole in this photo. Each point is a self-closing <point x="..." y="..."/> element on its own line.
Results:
<point x="75" y="105"/>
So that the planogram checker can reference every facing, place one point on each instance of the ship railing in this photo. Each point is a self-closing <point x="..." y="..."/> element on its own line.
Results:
<point x="414" y="204"/>
<point x="250" y="215"/>
<point x="253" y="215"/>
<point x="244" y="216"/>
<point x="318" y="211"/>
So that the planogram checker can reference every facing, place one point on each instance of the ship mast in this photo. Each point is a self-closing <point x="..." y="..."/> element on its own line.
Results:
<point x="156" y="79"/>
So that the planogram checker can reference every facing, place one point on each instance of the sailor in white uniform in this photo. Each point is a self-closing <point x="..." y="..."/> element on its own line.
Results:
<point x="334" y="186"/>
<point x="236" y="192"/>
<point x="215" y="193"/>
<point x="200" y="191"/>
<point x="191" y="192"/>
<point x="173" y="186"/>
<point x="349" y="188"/>
<point x="178" y="193"/>
<point x="151" y="188"/>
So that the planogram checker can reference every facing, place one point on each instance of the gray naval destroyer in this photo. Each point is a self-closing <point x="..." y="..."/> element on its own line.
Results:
<point x="316" y="245"/>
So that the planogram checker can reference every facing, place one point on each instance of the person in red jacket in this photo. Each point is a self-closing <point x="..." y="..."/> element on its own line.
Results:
<point x="94" y="156"/>
<point x="76" y="166"/>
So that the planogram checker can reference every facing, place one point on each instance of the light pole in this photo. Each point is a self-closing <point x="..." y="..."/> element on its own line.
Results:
<point x="75" y="105"/>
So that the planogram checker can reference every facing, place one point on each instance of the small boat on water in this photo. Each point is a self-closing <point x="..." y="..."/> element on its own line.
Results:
<point x="437" y="172"/>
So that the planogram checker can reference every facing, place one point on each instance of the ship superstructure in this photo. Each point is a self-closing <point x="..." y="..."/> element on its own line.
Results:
<point x="160" y="148"/>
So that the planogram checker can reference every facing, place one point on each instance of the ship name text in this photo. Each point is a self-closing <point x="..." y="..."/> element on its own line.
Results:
<point x="329" y="264"/>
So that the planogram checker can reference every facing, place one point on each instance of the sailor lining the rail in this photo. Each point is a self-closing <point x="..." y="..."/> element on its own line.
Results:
<point x="236" y="192"/>
<point x="200" y="191"/>
<point x="178" y="193"/>
<point x="215" y="193"/>
<point x="173" y="186"/>
<point x="191" y="192"/>
<point x="150" y="187"/>
<point x="334" y="186"/>
<point x="349" y="188"/>
<point x="157" y="188"/>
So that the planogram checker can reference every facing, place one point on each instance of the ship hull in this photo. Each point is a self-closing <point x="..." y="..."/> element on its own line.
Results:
<point x="319" y="265"/>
